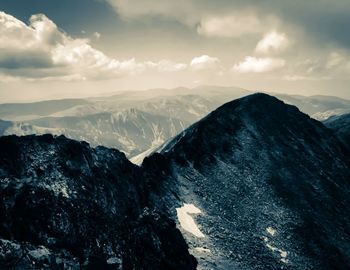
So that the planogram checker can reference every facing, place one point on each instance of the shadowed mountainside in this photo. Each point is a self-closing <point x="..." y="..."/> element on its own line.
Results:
<point x="65" y="205"/>
<point x="272" y="185"/>
<point x="341" y="126"/>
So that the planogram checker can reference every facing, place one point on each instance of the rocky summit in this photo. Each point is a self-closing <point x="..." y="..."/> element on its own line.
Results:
<point x="268" y="187"/>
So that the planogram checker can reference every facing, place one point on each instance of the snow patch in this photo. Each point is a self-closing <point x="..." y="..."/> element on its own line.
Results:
<point x="283" y="254"/>
<point x="271" y="231"/>
<point x="64" y="192"/>
<point x="284" y="260"/>
<point x="202" y="250"/>
<point x="186" y="221"/>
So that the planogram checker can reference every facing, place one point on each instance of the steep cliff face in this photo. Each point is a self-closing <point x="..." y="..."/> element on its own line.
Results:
<point x="65" y="205"/>
<point x="268" y="185"/>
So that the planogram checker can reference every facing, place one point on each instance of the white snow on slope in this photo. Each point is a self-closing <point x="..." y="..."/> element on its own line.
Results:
<point x="186" y="221"/>
<point x="271" y="231"/>
<point x="202" y="250"/>
<point x="282" y="253"/>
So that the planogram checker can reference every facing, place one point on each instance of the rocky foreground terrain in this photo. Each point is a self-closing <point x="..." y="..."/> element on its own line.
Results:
<point x="254" y="185"/>
<point x="64" y="205"/>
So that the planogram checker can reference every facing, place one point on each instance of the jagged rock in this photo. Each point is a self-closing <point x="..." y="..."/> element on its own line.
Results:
<point x="60" y="196"/>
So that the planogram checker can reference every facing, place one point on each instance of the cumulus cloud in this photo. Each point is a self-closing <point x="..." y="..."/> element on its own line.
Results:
<point x="258" y="65"/>
<point x="23" y="46"/>
<point x="272" y="42"/>
<point x="205" y="62"/>
<point x="42" y="46"/>
<point x="41" y="50"/>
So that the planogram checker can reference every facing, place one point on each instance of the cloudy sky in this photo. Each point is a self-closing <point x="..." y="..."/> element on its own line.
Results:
<point x="71" y="48"/>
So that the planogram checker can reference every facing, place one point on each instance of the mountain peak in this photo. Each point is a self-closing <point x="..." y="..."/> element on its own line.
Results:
<point x="258" y="102"/>
<point x="254" y="114"/>
<point x="267" y="174"/>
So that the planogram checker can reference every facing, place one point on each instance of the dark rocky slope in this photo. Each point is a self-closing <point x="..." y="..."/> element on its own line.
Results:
<point x="341" y="126"/>
<point x="64" y="205"/>
<point x="273" y="186"/>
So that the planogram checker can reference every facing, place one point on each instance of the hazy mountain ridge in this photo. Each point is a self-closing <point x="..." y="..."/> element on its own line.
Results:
<point x="28" y="111"/>
<point x="132" y="131"/>
<point x="318" y="107"/>
<point x="168" y="112"/>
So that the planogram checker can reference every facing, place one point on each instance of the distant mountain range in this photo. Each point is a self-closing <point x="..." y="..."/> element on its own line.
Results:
<point x="136" y="122"/>
<point x="256" y="184"/>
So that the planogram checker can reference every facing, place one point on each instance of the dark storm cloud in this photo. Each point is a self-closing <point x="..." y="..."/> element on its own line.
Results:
<point x="17" y="60"/>
<point x="333" y="29"/>
<point x="327" y="21"/>
<point x="321" y="19"/>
